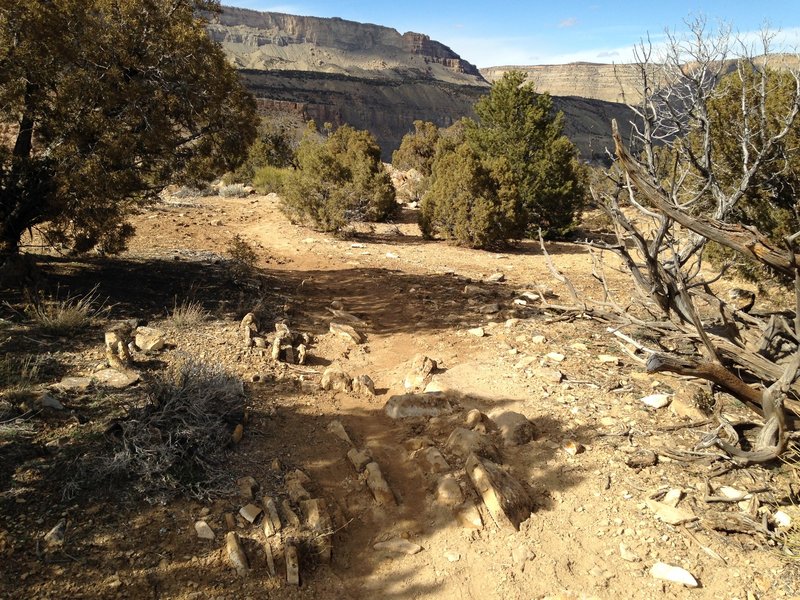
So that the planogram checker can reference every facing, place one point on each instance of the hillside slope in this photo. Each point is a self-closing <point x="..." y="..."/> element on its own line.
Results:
<point x="371" y="77"/>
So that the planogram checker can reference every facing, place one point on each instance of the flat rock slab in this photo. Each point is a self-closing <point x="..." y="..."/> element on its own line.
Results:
<point x="73" y="384"/>
<point x="418" y="405"/>
<point x="670" y="514"/>
<point x="204" y="532"/>
<point x="250" y="512"/>
<point x="506" y="499"/>
<point x="115" y="379"/>
<point x="292" y="566"/>
<point x="346" y="331"/>
<point x="272" y="521"/>
<point x="317" y="519"/>
<point x="398" y="546"/>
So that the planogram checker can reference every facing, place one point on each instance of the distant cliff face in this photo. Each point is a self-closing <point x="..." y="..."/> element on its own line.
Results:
<point x="371" y="77"/>
<point x="275" y="41"/>
<point x="610" y="83"/>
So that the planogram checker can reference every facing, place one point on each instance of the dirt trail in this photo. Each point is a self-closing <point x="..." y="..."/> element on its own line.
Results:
<point x="591" y="535"/>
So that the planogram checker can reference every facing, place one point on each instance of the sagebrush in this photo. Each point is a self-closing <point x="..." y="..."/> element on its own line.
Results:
<point x="177" y="443"/>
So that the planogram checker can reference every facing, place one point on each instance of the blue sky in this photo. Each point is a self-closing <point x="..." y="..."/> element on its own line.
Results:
<point x="492" y="33"/>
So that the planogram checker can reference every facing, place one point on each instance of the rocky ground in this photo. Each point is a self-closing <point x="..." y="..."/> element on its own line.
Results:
<point x="542" y="462"/>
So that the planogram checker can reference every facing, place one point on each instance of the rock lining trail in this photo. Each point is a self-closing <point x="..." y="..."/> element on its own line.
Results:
<point x="532" y="417"/>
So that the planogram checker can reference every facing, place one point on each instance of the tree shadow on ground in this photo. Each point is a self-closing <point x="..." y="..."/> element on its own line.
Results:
<point x="154" y="551"/>
<point x="389" y="301"/>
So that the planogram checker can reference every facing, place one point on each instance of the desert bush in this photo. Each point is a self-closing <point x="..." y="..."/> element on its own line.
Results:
<point x="770" y="204"/>
<point x="269" y="179"/>
<point x="189" y="191"/>
<point x="235" y="190"/>
<point x="465" y="203"/>
<point x="339" y="180"/>
<point x="243" y="257"/>
<point x="59" y="316"/>
<point x="274" y="146"/>
<point x="145" y="98"/>
<point x="187" y="314"/>
<point x="177" y="442"/>
<point x="19" y="375"/>
<point x="417" y="149"/>
<point x="529" y="178"/>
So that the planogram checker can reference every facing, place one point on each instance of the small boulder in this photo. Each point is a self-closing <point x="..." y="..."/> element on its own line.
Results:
<point x="448" y="492"/>
<point x="515" y="428"/>
<point x="204" y="532"/>
<point x="359" y="458"/>
<point x="346" y="331"/>
<point x="463" y="442"/>
<point x="398" y="546"/>
<point x="363" y="386"/>
<point x="115" y="379"/>
<point x="149" y="339"/>
<point x="335" y="379"/>
<point x="420" y="373"/>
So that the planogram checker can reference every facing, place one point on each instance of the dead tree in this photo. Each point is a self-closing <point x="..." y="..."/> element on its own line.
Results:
<point x="670" y="199"/>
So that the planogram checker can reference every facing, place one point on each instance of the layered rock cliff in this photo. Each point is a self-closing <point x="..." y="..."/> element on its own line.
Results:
<point x="610" y="83"/>
<point x="371" y="77"/>
<point x="274" y="41"/>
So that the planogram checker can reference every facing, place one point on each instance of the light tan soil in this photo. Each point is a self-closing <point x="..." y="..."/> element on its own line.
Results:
<point x="410" y="294"/>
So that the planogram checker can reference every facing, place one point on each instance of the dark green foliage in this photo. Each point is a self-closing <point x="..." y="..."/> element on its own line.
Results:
<point x="528" y="178"/>
<point x="273" y="147"/>
<point x="466" y="202"/>
<point x="771" y="203"/>
<point x="102" y="103"/>
<point x="417" y="149"/>
<point x="339" y="180"/>
<point x="519" y="125"/>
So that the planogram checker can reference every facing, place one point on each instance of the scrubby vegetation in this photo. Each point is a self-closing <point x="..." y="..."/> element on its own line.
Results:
<point x="339" y="180"/>
<point x="98" y="120"/>
<point x="176" y="442"/>
<point x="770" y="201"/>
<point x="528" y="177"/>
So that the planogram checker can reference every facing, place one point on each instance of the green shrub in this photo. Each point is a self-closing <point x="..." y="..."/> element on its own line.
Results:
<point x="506" y="176"/>
<point x="243" y="257"/>
<point x="466" y="203"/>
<point x="274" y="146"/>
<point x="417" y="149"/>
<point x="269" y="179"/>
<point x="339" y="180"/>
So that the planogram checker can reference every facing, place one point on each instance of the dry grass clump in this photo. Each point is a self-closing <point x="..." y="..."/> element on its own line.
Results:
<point x="60" y="316"/>
<point x="18" y="376"/>
<point x="187" y="314"/>
<point x="176" y="444"/>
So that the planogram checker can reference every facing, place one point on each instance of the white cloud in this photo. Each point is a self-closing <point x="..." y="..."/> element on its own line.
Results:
<point x="570" y="22"/>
